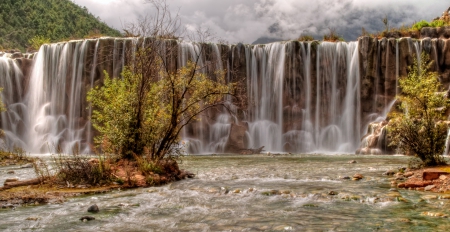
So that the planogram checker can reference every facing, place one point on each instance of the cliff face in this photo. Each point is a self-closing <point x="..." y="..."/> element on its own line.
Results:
<point x="300" y="97"/>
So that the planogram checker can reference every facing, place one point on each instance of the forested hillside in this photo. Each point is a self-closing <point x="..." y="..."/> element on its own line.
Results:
<point x="56" y="20"/>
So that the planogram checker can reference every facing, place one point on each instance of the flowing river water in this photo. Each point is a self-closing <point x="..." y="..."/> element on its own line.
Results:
<point x="251" y="193"/>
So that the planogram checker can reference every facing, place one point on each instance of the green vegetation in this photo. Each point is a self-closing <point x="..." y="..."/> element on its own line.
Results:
<point x="418" y="130"/>
<point x="36" y="42"/>
<point x="56" y="20"/>
<point x="143" y="112"/>
<point x="436" y="23"/>
<point x="133" y="122"/>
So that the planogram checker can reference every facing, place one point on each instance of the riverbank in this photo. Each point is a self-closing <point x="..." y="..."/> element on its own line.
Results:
<point x="435" y="179"/>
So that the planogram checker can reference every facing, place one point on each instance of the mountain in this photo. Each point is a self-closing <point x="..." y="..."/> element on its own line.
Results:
<point x="22" y="20"/>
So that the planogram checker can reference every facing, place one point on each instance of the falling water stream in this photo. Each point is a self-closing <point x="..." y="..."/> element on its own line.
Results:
<point x="251" y="193"/>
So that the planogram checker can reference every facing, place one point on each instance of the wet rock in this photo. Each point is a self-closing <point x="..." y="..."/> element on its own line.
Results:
<point x="27" y="166"/>
<point x="87" y="218"/>
<point x="6" y="206"/>
<point x="408" y="174"/>
<point x="345" y="177"/>
<point x="224" y="190"/>
<point x="393" y="183"/>
<point x="432" y="214"/>
<point x="389" y="173"/>
<point x="429" y="187"/>
<point x="394" y="194"/>
<point x="93" y="209"/>
<point x="32" y="218"/>
<point x="446" y="197"/>
<point x="418" y="184"/>
<point x="10" y="172"/>
<point x="9" y="180"/>
<point x="237" y="191"/>
<point x="443" y="177"/>
<point x="286" y="192"/>
<point x="271" y="193"/>
<point x="352" y="162"/>
<point x="401" y="185"/>
<point x="429" y="197"/>
<point x="357" y="176"/>
<point x="332" y="193"/>
<point x="432" y="175"/>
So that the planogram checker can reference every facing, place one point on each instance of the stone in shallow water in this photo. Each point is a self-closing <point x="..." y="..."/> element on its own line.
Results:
<point x="93" y="209"/>
<point x="389" y="173"/>
<point x="429" y="187"/>
<point x="8" y="180"/>
<point x="87" y="218"/>
<point x="357" y="176"/>
<point x="429" y="197"/>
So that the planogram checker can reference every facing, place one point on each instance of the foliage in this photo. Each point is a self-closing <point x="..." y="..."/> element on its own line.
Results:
<point x="419" y="25"/>
<point x="74" y="169"/>
<point x="418" y="130"/>
<point x="332" y="36"/>
<point x="435" y="23"/>
<point x="438" y="23"/>
<point x="306" y="38"/>
<point x="144" y="111"/>
<point x="22" y="20"/>
<point x="37" y="41"/>
<point x="16" y="156"/>
<point x="169" y="104"/>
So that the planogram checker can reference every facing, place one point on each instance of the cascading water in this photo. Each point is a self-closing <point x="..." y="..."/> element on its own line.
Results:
<point x="301" y="96"/>
<point x="13" y="120"/>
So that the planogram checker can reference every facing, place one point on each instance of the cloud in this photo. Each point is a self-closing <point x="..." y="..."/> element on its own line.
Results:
<point x="246" y="21"/>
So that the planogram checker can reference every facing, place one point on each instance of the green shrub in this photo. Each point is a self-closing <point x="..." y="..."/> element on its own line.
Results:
<point x="417" y="130"/>
<point x="37" y="41"/>
<point x="419" y="25"/>
<point x="438" y="23"/>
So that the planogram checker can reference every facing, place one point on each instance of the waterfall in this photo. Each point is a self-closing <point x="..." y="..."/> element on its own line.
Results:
<point x="13" y="120"/>
<point x="302" y="97"/>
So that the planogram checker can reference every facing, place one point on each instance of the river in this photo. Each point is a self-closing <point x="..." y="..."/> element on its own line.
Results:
<point x="252" y="193"/>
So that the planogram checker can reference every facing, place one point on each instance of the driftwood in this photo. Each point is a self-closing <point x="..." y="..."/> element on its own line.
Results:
<point x="14" y="184"/>
<point x="251" y="151"/>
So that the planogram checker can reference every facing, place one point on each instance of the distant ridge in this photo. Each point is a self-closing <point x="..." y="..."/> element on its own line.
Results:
<point x="21" y="20"/>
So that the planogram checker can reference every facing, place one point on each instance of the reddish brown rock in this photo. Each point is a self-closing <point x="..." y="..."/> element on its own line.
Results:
<point x="418" y="184"/>
<point x="432" y="175"/>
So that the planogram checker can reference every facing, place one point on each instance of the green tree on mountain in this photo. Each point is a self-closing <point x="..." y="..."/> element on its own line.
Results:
<point x="56" y="20"/>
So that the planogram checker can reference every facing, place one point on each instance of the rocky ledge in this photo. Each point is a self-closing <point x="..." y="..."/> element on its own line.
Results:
<point x="430" y="179"/>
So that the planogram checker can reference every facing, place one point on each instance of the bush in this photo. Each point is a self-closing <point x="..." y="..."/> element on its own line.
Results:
<point x="305" y="38"/>
<point x="438" y="23"/>
<point x="37" y="41"/>
<point x="332" y="36"/>
<point x="419" y="25"/>
<point x="418" y="130"/>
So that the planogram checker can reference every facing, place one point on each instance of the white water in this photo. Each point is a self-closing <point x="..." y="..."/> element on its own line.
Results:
<point x="250" y="193"/>
<point x="302" y="97"/>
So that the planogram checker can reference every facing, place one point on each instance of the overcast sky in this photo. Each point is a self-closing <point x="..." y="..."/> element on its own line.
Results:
<point x="247" y="20"/>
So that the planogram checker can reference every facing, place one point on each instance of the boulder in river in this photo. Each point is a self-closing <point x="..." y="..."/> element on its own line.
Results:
<point x="87" y="218"/>
<point x="93" y="209"/>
